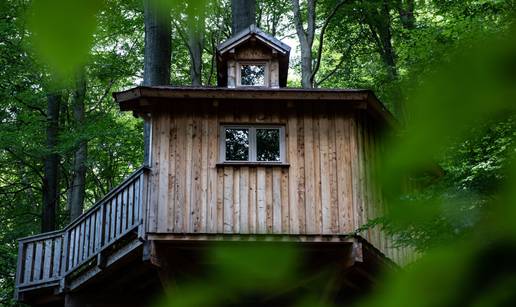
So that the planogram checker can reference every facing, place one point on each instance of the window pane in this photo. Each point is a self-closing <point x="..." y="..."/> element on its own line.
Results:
<point x="252" y="75"/>
<point x="268" y="145"/>
<point x="237" y="144"/>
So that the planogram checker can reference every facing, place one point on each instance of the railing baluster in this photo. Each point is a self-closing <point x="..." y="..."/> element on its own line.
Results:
<point x="126" y="211"/>
<point x="48" y="259"/>
<point x="20" y="267"/>
<point x="106" y="220"/>
<point x="65" y="252"/>
<point x="101" y="229"/>
<point x="81" y="241"/>
<point x="118" y="219"/>
<point x="86" y="239"/>
<point x="139" y="188"/>
<point x="123" y="216"/>
<point x="28" y="263"/>
<point x="112" y="224"/>
<point x="38" y="259"/>
<point x="93" y="226"/>
<point x="137" y="199"/>
<point x="76" y="246"/>
<point x="130" y="205"/>
<point x="71" y="249"/>
<point x="58" y="256"/>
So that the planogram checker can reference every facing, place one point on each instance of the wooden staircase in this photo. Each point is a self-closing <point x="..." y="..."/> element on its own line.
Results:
<point x="65" y="259"/>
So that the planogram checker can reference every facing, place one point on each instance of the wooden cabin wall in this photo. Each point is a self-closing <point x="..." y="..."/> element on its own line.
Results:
<point x="370" y="151"/>
<point x="328" y="187"/>
<point x="190" y="193"/>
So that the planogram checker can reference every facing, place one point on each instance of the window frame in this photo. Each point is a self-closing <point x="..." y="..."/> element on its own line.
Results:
<point x="265" y="73"/>
<point x="252" y="156"/>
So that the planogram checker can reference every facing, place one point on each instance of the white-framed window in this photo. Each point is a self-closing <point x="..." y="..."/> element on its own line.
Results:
<point x="252" y="144"/>
<point x="252" y="74"/>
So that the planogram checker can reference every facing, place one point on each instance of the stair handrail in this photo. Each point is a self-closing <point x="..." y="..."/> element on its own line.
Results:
<point x="109" y="194"/>
<point x="40" y="235"/>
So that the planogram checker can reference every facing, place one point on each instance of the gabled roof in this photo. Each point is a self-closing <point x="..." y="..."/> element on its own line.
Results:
<point x="249" y="32"/>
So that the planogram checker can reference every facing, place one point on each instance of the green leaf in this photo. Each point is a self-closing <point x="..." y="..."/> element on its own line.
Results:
<point x="62" y="32"/>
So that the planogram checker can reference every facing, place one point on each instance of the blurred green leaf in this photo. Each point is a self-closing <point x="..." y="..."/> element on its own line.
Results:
<point x="192" y="295"/>
<point x="62" y="32"/>
<point x="433" y="281"/>
<point x="475" y="86"/>
<point x="475" y="268"/>
<point x="238" y="273"/>
<point x="255" y="266"/>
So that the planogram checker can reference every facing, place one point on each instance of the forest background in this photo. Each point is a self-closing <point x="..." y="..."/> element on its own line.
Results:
<point x="445" y="68"/>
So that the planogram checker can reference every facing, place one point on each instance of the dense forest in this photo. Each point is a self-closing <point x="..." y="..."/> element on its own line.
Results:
<point x="444" y="68"/>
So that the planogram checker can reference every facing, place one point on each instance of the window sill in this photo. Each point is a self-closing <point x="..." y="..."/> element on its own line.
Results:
<point x="253" y="164"/>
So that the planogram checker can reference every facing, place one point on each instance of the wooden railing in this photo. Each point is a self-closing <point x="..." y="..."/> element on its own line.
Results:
<point x="47" y="258"/>
<point x="39" y="259"/>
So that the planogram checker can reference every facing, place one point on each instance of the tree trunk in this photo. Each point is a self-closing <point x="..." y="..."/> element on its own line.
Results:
<point x="306" y="65"/>
<point x="196" y="28"/>
<point x="306" y="40"/>
<point x="158" y="47"/>
<point x="379" y="22"/>
<point x="406" y="13"/>
<point x="389" y="58"/>
<point x="195" y="45"/>
<point x="51" y="164"/>
<point x="242" y="14"/>
<point x="77" y="189"/>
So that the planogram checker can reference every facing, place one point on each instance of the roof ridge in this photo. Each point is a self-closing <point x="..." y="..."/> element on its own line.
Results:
<point x="247" y="33"/>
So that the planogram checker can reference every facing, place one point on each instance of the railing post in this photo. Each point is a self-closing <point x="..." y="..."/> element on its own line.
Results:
<point x="102" y="226"/>
<point x="64" y="261"/>
<point x="19" y="268"/>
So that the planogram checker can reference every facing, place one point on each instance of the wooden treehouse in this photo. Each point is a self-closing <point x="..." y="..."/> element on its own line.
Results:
<point x="248" y="161"/>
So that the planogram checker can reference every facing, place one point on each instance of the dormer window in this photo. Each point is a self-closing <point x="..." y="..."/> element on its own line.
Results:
<point x="252" y="58"/>
<point x="253" y="74"/>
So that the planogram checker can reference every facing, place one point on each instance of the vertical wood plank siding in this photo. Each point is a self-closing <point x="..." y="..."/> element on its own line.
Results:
<point x="322" y="191"/>
<point x="328" y="187"/>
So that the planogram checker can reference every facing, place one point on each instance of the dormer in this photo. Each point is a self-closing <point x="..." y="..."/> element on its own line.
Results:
<point x="252" y="58"/>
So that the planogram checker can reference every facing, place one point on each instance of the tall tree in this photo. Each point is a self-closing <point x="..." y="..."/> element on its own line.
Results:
<point x="158" y="42"/>
<point x="273" y="16"/>
<point x="196" y="45"/>
<point x="306" y="39"/>
<point x="51" y="164"/>
<point x="406" y="10"/>
<point x="242" y="14"/>
<point x="77" y="188"/>
<point x="378" y="19"/>
<point x="192" y="32"/>
<point x="158" y="45"/>
<point x="309" y="68"/>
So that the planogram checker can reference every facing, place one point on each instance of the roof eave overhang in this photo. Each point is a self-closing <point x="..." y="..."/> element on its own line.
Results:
<point x="143" y="98"/>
